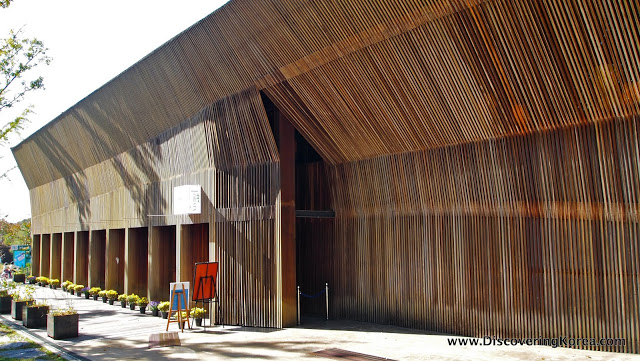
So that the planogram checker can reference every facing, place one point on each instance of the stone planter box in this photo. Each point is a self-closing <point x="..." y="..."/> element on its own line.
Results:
<point x="19" y="278"/>
<point x="16" y="309"/>
<point x="5" y="304"/>
<point x="62" y="327"/>
<point x="35" y="317"/>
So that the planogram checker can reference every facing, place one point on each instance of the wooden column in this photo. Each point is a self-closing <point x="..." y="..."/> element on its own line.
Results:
<point x="56" y="256"/>
<point x="35" y="255"/>
<point x="286" y="263"/>
<point x="81" y="258"/>
<point x="66" y="272"/>
<point x="45" y="255"/>
<point x="183" y="250"/>
<point x="114" y="271"/>
<point x="162" y="261"/>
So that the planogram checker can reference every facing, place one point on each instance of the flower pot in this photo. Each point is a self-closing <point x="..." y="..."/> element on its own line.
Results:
<point x="34" y="317"/>
<point x="19" y="277"/>
<point x="143" y="309"/>
<point x="61" y="327"/>
<point x="199" y="322"/>
<point x="132" y="306"/>
<point x="5" y="304"/>
<point x="16" y="309"/>
<point x="165" y="315"/>
<point x="104" y="300"/>
<point x="95" y="297"/>
<point x="71" y="291"/>
<point x="86" y="296"/>
<point x="153" y="312"/>
<point x="78" y="294"/>
<point x="123" y="304"/>
<point x="111" y="302"/>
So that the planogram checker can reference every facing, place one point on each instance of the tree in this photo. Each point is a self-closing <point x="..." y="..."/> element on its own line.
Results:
<point x="15" y="233"/>
<point x="19" y="55"/>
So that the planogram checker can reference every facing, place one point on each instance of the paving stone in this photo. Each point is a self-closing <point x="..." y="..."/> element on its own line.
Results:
<point x="22" y="354"/>
<point x="14" y="345"/>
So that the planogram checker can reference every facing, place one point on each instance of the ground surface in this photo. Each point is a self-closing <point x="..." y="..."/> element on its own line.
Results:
<point x="14" y="346"/>
<point x="114" y="333"/>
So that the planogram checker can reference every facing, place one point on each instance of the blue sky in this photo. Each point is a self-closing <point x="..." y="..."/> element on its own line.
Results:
<point x="91" y="42"/>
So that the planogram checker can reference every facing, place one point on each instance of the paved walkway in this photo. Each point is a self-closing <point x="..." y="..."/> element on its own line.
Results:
<point x="114" y="333"/>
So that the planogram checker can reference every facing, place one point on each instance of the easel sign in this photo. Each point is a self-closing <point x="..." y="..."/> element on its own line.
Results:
<point x="183" y="298"/>
<point x="179" y="297"/>
<point x="205" y="276"/>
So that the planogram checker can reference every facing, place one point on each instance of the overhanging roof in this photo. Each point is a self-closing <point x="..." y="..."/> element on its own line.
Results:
<point x="364" y="78"/>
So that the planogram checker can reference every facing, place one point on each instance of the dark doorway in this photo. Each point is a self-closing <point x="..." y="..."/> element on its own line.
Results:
<point x="114" y="273"/>
<point x="136" y="261"/>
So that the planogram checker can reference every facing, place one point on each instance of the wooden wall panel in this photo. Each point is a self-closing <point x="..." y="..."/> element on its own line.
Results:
<point x="524" y="236"/>
<point x="492" y="144"/>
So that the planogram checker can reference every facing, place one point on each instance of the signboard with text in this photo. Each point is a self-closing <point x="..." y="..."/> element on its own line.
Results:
<point x="187" y="199"/>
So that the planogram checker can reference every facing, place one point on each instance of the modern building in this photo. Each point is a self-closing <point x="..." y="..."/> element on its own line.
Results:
<point x="470" y="167"/>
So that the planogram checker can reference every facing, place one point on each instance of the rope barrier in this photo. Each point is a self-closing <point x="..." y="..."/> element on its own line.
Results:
<point x="313" y="296"/>
<point x="325" y="291"/>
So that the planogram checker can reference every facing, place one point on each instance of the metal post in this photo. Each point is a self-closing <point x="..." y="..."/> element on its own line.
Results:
<point x="326" y="288"/>
<point x="298" y="305"/>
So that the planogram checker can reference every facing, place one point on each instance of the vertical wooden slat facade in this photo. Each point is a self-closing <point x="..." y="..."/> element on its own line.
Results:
<point x="481" y="158"/>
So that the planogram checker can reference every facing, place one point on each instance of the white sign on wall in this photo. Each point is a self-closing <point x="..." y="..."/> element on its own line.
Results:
<point x="187" y="199"/>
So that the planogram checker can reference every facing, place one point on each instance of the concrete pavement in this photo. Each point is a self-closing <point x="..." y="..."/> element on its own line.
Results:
<point x="114" y="333"/>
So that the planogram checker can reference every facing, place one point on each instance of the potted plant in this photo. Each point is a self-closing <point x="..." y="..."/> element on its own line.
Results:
<point x="64" y="285"/>
<point x="54" y="283"/>
<point x="123" y="300"/>
<point x="71" y="287"/>
<point x="142" y="304"/>
<point x="164" y="308"/>
<point x="78" y="290"/>
<point x="19" y="277"/>
<point x="85" y="292"/>
<point x="103" y="295"/>
<point x="153" y="305"/>
<point x="112" y="295"/>
<point x="62" y="323"/>
<point x="198" y="313"/>
<point x="44" y="281"/>
<point x="21" y="298"/>
<point x="185" y="317"/>
<point x="93" y="291"/>
<point x="34" y="315"/>
<point x="6" y="289"/>
<point x="31" y="280"/>
<point x="132" y="299"/>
